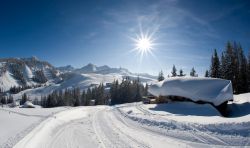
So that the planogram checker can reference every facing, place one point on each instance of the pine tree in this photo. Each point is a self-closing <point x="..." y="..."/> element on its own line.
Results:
<point x="76" y="96"/>
<point x="24" y="99"/>
<point x="100" y="98"/>
<point x="181" y="73"/>
<point x="223" y="66"/>
<point x="161" y="76"/>
<point x="193" y="73"/>
<point x="242" y="84"/>
<point x="88" y="96"/>
<point x="174" y="70"/>
<point x="215" y="66"/>
<point x="83" y="98"/>
<point x="248" y="71"/>
<point x="236" y="67"/>
<point x="146" y="90"/>
<point x="138" y="95"/>
<point x="3" y="100"/>
<point x="10" y="99"/>
<point x="229" y="62"/>
<point x="206" y="73"/>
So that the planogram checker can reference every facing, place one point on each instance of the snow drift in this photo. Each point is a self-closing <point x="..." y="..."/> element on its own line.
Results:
<point x="212" y="90"/>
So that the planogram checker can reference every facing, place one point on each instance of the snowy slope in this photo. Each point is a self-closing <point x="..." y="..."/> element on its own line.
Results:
<point x="83" y="81"/>
<point x="7" y="81"/>
<point x="21" y="72"/>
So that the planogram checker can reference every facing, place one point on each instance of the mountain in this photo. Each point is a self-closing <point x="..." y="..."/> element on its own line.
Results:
<point x="26" y="72"/>
<point x="67" y="68"/>
<point x="40" y="78"/>
<point x="90" y="68"/>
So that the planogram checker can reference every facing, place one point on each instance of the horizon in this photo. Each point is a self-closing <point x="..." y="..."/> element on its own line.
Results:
<point x="184" y="33"/>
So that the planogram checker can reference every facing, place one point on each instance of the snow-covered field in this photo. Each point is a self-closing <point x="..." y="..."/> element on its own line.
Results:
<point x="128" y="125"/>
<point x="15" y="123"/>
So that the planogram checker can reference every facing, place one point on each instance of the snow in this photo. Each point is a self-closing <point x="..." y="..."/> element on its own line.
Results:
<point x="216" y="91"/>
<point x="139" y="125"/>
<point x="28" y="104"/>
<point x="83" y="81"/>
<point x="17" y="122"/>
<point x="174" y="124"/>
<point x="241" y="98"/>
<point x="28" y="72"/>
<point x="7" y="81"/>
<point x="181" y="121"/>
<point x="43" y="133"/>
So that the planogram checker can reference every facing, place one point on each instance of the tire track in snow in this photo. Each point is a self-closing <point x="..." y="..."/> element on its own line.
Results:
<point x="110" y="135"/>
<point x="45" y="132"/>
<point x="200" y="135"/>
<point x="95" y="126"/>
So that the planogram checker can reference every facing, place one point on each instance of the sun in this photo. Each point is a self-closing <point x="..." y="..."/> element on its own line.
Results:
<point x="144" y="44"/>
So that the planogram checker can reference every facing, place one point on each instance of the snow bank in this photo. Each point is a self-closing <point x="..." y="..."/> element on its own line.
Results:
<point x="242" y="98"/>
<point x="211" y="90"/>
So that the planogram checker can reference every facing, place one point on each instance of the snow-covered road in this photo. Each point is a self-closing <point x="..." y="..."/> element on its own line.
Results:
<point x="105" y="126"/>
<point x="93" y="127"/>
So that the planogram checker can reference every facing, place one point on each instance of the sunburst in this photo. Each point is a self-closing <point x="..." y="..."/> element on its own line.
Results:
<point x="144" y="44"/>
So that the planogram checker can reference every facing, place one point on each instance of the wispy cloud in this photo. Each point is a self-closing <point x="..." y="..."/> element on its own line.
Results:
<point x="161" y="15"/>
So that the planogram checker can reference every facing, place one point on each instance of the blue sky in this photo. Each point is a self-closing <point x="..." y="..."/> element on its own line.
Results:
<point x="78" y="32"/>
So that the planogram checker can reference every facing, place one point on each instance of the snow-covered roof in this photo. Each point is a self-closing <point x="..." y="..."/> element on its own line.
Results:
<point x="28" y="104"/>
<point x="211" y="90"/>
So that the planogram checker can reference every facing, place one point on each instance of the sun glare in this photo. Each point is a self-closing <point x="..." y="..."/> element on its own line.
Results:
<point x="144" y="44"/>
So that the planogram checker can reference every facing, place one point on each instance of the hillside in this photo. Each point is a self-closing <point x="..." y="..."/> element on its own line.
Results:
<point x="26" y="72"/>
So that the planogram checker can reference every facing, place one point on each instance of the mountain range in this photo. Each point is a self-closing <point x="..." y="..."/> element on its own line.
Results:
<point x="43" y="78"/>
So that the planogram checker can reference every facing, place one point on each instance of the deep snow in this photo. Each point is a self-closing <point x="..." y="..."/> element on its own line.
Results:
<point x="216" y="91"/>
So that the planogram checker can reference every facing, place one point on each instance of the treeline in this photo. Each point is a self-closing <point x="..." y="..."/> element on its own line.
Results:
<point x="6" y="100"/>
<point x="17" y="89"/>
<point x="176" y="73"/>
<point x="74" y="97"/>
<point x="124" y="92"/>
<point x="127" y="91"/>
<point x="232" y="65"/>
